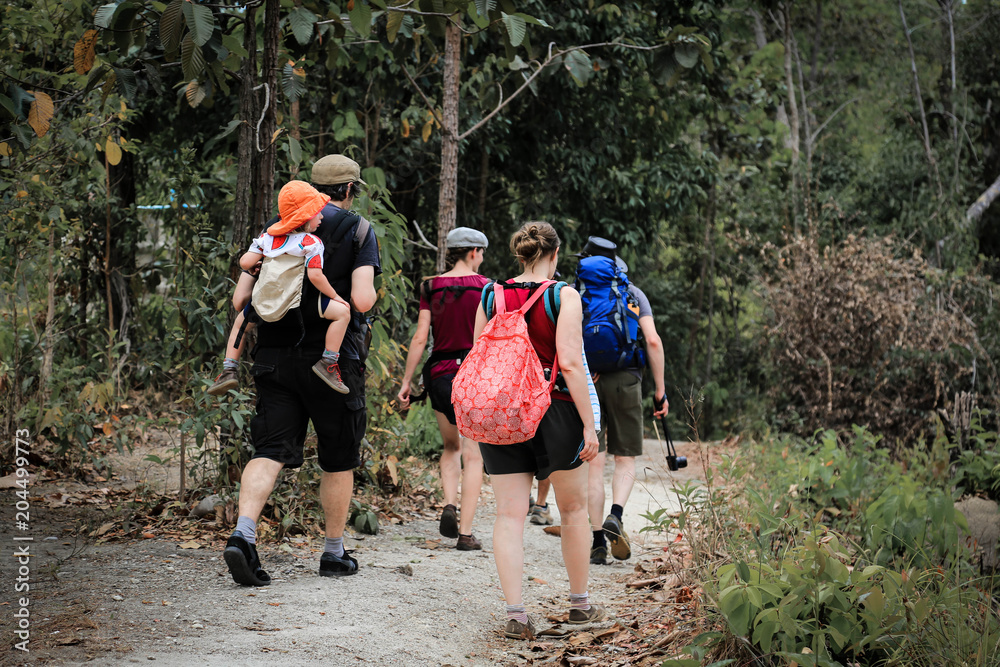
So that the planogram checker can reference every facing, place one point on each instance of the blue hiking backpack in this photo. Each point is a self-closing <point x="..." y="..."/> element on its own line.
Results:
<point x="610" y="316"/>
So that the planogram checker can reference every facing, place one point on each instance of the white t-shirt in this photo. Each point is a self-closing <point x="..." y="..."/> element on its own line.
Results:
<point x="300" y="244"/>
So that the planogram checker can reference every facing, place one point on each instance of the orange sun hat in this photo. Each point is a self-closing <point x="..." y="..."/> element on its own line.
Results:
<point x="297" y="203"/>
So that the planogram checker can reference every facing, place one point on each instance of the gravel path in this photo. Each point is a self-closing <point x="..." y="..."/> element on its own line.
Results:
<point x="151" y="602"/>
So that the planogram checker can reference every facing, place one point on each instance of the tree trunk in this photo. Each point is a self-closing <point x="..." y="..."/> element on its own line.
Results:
<point x="50" y="316"/>
<point x="269" y="73"/>
<point x="984" y="201"/>
<point x="448" y="193"/>
<point x="920" y="102"/>
<point x="249" y="112"/>
<point x="760" y="37"/>
<point x="709" y="226"/>
<point x="700" y="298"/>
<point x="793" y="110"/>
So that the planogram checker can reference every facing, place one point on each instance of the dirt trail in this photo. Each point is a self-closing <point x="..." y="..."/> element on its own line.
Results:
<point x="150" y="602"/>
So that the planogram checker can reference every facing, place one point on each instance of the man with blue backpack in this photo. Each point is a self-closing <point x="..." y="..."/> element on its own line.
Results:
<point x="619" y="338"/>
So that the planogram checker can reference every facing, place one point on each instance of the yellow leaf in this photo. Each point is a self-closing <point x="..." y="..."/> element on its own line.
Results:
<point x="191" y="544"/>
<point x="83" y="52"/>
<point x="194" y="93"/>
<point x="40" y="113"/>
<point x="21" y="194"/>
<point x="5" y="149"/>
<point x="406" y="128"/>
<point x="425" y="134"/>
<point x="113" y="151"/>
<point x="36" y="179"/>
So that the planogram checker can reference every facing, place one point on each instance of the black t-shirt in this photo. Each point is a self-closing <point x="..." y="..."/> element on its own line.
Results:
<point x="304" y="326"/>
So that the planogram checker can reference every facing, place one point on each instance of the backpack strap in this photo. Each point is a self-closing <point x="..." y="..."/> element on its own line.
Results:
<point x="553" y="300"/>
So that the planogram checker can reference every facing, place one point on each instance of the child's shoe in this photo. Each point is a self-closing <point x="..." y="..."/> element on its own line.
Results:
<point x="227" y="380"/>
<point x="330" y="374"/>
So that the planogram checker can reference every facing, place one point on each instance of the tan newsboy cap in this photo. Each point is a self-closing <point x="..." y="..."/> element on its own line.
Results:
<point x="336" y="169"/>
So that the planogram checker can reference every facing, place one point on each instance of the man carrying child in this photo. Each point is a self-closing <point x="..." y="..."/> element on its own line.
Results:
<point x="289" y="393"/>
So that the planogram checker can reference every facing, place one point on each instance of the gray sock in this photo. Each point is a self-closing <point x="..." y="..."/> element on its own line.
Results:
<point x="335" y="546"/>
<point x="581" y="601"/>
<point x="517" y="612"/>
<point x="248" y="528"/>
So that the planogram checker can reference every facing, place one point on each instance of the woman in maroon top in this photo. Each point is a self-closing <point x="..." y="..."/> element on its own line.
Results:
<point x="448" y="309"/>
<point x="565" y="438"/>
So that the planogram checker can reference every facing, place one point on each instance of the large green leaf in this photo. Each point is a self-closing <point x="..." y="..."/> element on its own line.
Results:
<point x="361" y="18"/>
<point x="302" y="21"/>
<point x="127" y="82"/>
<point x="200" y="22"/>
<point x="294" y="151"/>
<point x="292" y="83"/>
<point x="394" y="21"/>
<point x="171" y="26"/>
<point x="579" y="66"/>
<point x="192" y="58"/>
<point x="686" y="54"/>
<point x="484" y="7"/>
<point x="104" y="14"/>
<point x="516" y="28"/>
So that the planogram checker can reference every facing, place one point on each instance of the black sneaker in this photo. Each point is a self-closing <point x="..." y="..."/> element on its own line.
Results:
<point x="599" y="556"/>
<point x="449" y="521"/>
<point x="337" y="566"/>
<point x="244" y="565"/>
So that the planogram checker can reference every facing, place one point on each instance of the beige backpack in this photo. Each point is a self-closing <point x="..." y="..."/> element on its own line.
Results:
<point x="279" y="286"/>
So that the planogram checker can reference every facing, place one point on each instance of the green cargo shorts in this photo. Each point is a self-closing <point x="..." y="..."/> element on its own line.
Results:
<point x="620" y="394"/>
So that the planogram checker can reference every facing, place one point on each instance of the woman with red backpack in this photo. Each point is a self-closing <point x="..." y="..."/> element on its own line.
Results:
<point x="565" y="437"/>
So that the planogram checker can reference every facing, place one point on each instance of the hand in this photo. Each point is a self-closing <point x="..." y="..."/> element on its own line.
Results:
<point x="661" y="406"/>
<point x="255" y="269"/>
<point x="404" y="395"/>
<point x="590" y="444"/>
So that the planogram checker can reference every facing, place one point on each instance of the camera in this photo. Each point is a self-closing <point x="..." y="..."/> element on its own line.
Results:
<point x="675" y="463"/>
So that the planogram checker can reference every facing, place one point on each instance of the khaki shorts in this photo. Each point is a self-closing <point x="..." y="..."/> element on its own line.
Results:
<point x="620" y="394"/>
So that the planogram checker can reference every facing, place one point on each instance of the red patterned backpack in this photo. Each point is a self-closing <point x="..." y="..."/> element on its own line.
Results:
<point x="500" y="392"/>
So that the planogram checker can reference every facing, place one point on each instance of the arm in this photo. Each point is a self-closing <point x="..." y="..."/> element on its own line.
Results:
<point x="249" y="259"/>
<point x="414" y="354"/>
<point x="480" y="322"/>
<point x="569" y="348"/>
<point x="654" y="353"/>
<point x="363" y="293"/>
<point x="321" y="282"/>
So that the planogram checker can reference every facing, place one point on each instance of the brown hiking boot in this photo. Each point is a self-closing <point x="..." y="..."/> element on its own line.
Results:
<point x="468" y="543"/>
<point x="330" y="374"/>
<point x="228" y="379"/>
<point x="449" y="521"/>
<point x="515" y="629"/>
<point x="581" y="616"/>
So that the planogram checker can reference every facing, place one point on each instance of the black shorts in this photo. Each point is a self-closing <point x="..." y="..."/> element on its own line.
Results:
<point x="556" y="446"/>
<point x="289" y="395"/>
<point x="440" y="395"/>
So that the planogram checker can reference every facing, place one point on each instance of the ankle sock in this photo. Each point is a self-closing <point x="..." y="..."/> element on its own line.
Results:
<point x="331" y="357"/>
<point x="617" y="511"/>
<point x="247" y="527"/>
<point x="230" y="364"/>
<point x="543" y="506"/>
<point x="517" y="612"/>
<point x="581" y="601"/>
<point x="599" y="540"/>
<point x="335" y="546"/>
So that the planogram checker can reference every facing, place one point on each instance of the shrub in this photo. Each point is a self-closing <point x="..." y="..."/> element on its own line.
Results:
<point x="859" y="334"/>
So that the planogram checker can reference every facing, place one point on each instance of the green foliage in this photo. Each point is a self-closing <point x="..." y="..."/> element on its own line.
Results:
<point x="363" y="518"/>
<point x="875" y="576"/>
